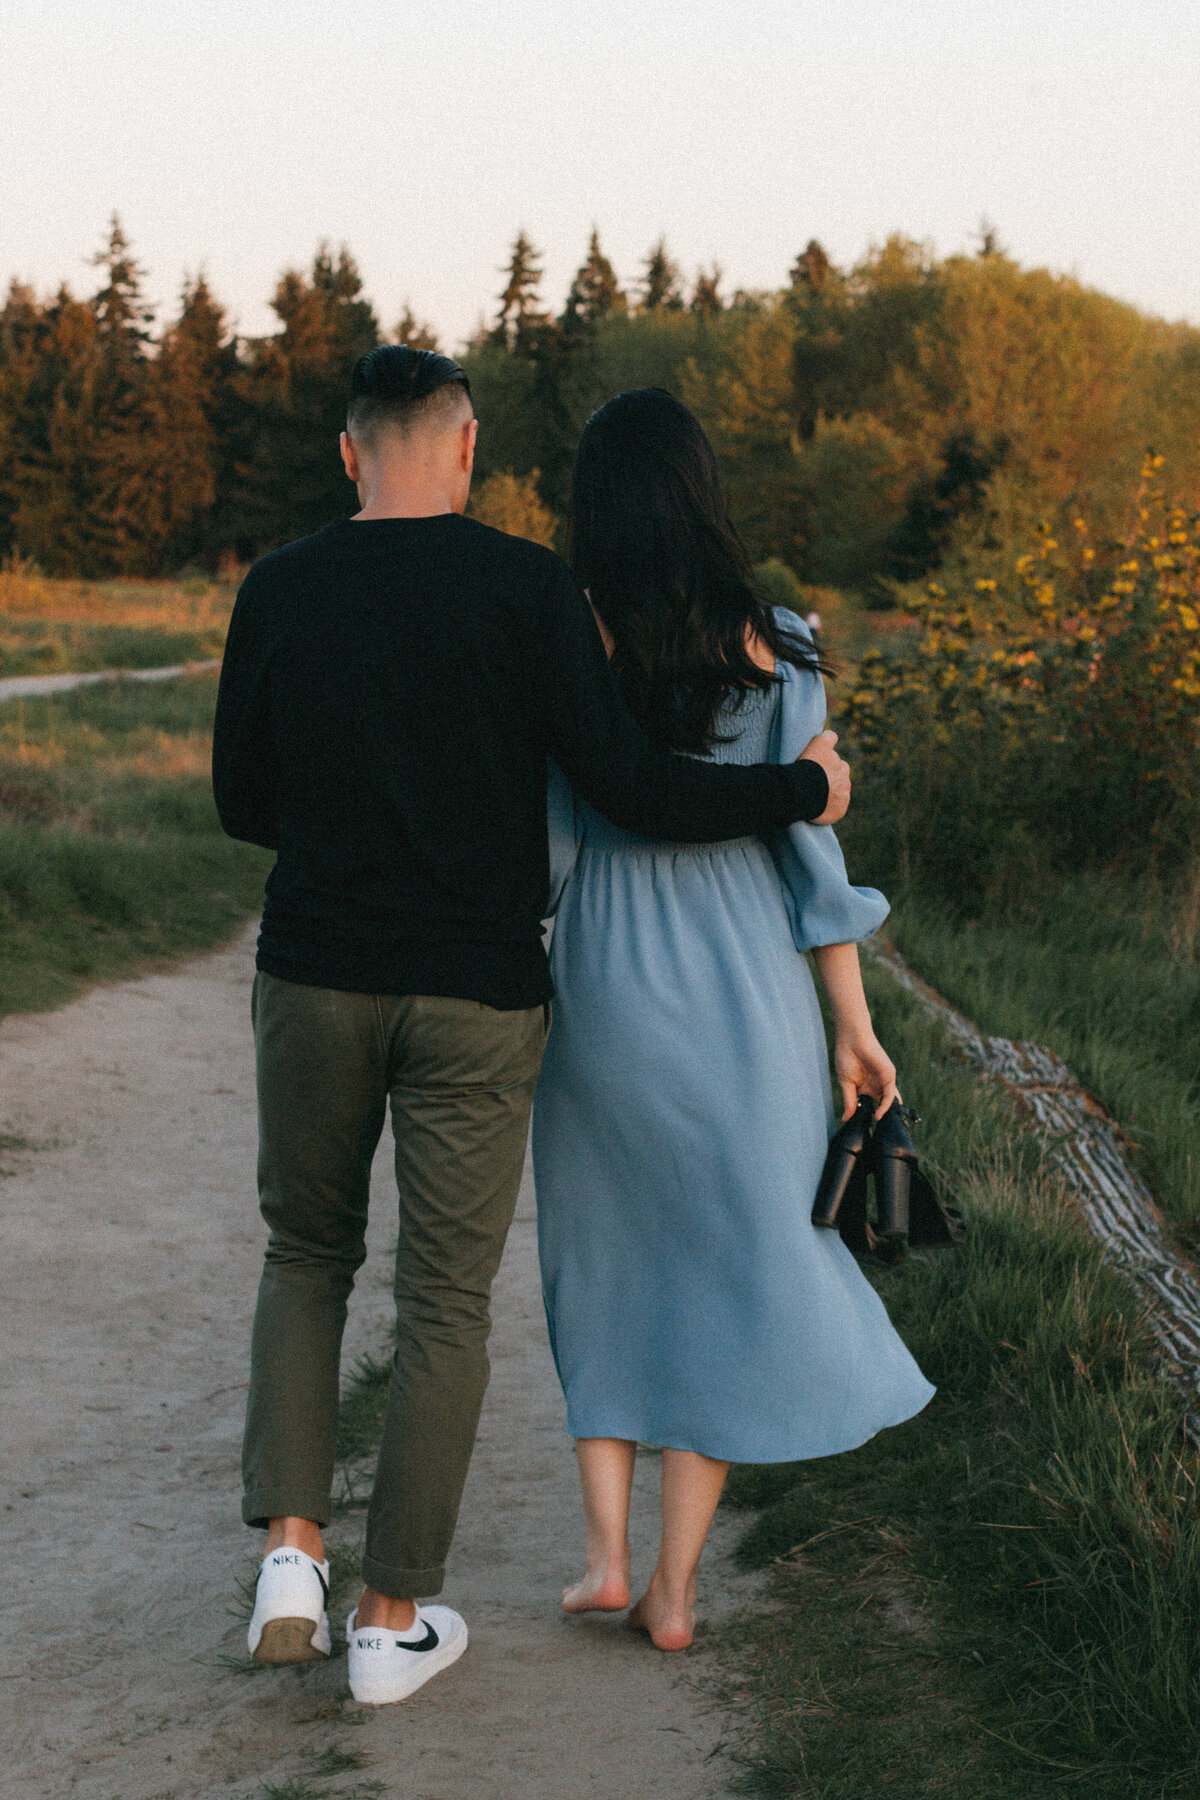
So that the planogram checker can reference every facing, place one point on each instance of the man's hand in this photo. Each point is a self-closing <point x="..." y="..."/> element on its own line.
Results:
<point x="837" y="773"/>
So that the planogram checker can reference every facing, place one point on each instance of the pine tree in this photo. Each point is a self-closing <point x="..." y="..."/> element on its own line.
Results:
<point x="124" y="512"/>
<point x="989" y="239"/>
<point x="51" y="360"/>
<point x="706" y="295"/>
<point x="661" y="289"/>
<point x="121" y="312"/>
<point x="817" y="302"/>
<point x="293" y="389"/>
<point x="195" y="397"/>
<point x="811" y="268"/>
<point x="203" y="326"/>
<point x="415" y="332"/>
<point x="595" y="293"/>
<point x="521" y="318"/>
<point x="22" y="356"/>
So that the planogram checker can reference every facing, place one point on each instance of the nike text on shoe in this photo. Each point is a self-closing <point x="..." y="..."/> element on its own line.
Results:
<point x="289" y="1623"/>
<point x="390" y="1665"/>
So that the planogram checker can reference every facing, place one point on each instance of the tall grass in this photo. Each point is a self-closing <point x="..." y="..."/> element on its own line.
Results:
<point x="1104" y="971"/>
<point x="110" y="848"/>
<point x="998" y="1598"/>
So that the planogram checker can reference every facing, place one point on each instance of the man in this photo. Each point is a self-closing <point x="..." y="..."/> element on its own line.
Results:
<point x="391" y="689"/>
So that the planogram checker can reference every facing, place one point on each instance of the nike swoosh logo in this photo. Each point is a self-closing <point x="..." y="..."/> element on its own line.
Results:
<point x="429" y="1642"/>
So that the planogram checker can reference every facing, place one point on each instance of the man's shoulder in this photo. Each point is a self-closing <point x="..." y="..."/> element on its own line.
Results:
<point x="284" y="563"/>
<point x="519" y="554"/>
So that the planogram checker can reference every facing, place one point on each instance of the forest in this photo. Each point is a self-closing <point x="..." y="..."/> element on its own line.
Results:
<point x="872" y="422"/>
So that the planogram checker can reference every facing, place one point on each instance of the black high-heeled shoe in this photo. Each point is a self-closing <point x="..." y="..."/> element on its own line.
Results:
<point x="891" y="1161"/>
<point x="844" y="1177"/>
<point x="908" y="1209"/>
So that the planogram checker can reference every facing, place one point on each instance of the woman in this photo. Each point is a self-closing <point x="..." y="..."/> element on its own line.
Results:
<point x="684" y="1107"/>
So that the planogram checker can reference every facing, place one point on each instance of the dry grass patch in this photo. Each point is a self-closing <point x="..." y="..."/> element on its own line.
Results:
<point x="50" y="627"/>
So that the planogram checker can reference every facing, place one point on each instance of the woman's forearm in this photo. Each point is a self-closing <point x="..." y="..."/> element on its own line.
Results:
<point x="863" y="1065"/>
<point x="841" y="977"/>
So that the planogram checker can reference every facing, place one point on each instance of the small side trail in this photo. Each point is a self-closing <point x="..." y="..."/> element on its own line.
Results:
<point x="129" y="1253"/>
<point x="28" y="687"/>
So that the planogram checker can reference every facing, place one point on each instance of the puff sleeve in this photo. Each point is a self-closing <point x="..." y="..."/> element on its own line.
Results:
<point x="822" y="905"/>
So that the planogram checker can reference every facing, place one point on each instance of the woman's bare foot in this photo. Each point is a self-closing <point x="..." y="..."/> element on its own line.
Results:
<point x="603" y="1589"/>
<point x="671" y="1624"/>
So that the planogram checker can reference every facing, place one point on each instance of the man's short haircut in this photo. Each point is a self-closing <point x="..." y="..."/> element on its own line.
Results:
<point x="396" y="388"/>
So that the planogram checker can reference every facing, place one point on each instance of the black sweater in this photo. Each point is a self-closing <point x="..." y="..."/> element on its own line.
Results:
<point x="390" y="692"/>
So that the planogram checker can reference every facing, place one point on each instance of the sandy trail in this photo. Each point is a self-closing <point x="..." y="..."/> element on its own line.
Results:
<point x="25" y="687"/>
<point x="129" y="1250"/>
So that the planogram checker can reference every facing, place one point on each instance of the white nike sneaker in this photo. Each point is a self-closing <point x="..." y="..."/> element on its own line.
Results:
<point x="289" y="1623"/>
<point x="390" y="1665"/>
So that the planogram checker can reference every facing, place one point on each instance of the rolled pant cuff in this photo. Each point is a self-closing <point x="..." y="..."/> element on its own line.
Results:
<point x="259" y="1505"/>
<point x="403" y="1584"/>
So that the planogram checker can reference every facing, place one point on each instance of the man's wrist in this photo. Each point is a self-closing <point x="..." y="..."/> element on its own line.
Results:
<point x="811" y="788"/>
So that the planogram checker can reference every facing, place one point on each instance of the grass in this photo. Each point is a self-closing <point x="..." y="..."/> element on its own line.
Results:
<point x="363" y="1404"/>
<point x="49" y="627"/>
<point x="996" y="1601"/>
<point x="337" y="1760"/>
<point x="304" y="1788"/>
<point x="111" y="855"/>
<point x="1107" y="975"/>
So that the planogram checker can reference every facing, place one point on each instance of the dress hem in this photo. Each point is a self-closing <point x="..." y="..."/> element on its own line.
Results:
<point x="652" y="1440"/>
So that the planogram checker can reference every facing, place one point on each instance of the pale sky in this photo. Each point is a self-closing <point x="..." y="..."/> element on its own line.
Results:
<point x="232" y="135"/>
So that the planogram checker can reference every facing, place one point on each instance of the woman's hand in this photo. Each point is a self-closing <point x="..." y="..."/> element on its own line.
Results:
<point x="864" y="1067"/>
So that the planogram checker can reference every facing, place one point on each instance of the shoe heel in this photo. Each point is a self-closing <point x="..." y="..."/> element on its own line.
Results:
<point x="893" y="1159"/>
<point x="842" y="1168"/>
<point x="287" y="1641"/>
<point x="892" y="1185"/>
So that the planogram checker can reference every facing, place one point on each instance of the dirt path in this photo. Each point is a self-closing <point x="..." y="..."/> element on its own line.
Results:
<point x="25" y="687"/>
<point x="129" y="1248"/>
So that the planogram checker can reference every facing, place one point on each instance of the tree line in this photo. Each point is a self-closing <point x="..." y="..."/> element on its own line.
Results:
<point x="871" y="421"/>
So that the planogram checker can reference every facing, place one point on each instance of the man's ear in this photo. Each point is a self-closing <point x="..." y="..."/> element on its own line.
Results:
<point x="349" y="456"/>
<point x="470" y="432"/>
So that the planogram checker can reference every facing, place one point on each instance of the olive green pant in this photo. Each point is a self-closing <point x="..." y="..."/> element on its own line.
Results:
<point x="460" y="1078"/>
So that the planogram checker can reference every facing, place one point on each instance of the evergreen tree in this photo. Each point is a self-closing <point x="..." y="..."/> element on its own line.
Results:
<point x="989" y="239"/>
<point x="521" y="319"/>
<point x="595" y="293"/>
<point x="706" y="295"/>
<point x="415" y="332"/>
<point x="50" y="357"/>
<point x="816" y="299"/>
<point x="811" y="268"/>
<point x="195" y="395"/>
<point x="203" y="327"/>
<point x="22" y="355"/>
<point x="661" y="285"/>
<point x="125" y="523"/>
<point x="293" y="386"/>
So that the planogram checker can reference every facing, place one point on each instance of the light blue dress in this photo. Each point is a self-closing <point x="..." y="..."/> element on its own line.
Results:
<point x="680" y="1128"/>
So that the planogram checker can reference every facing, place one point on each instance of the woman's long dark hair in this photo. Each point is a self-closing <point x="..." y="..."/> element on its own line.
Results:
<point x="665" y="569"/>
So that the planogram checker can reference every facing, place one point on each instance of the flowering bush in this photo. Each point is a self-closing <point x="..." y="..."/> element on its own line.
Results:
<point x="1049" y="715"/>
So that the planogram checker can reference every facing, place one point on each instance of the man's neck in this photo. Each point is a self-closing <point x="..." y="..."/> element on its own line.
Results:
<point x="406" y="500"/>
<point x="386" y="510"/>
